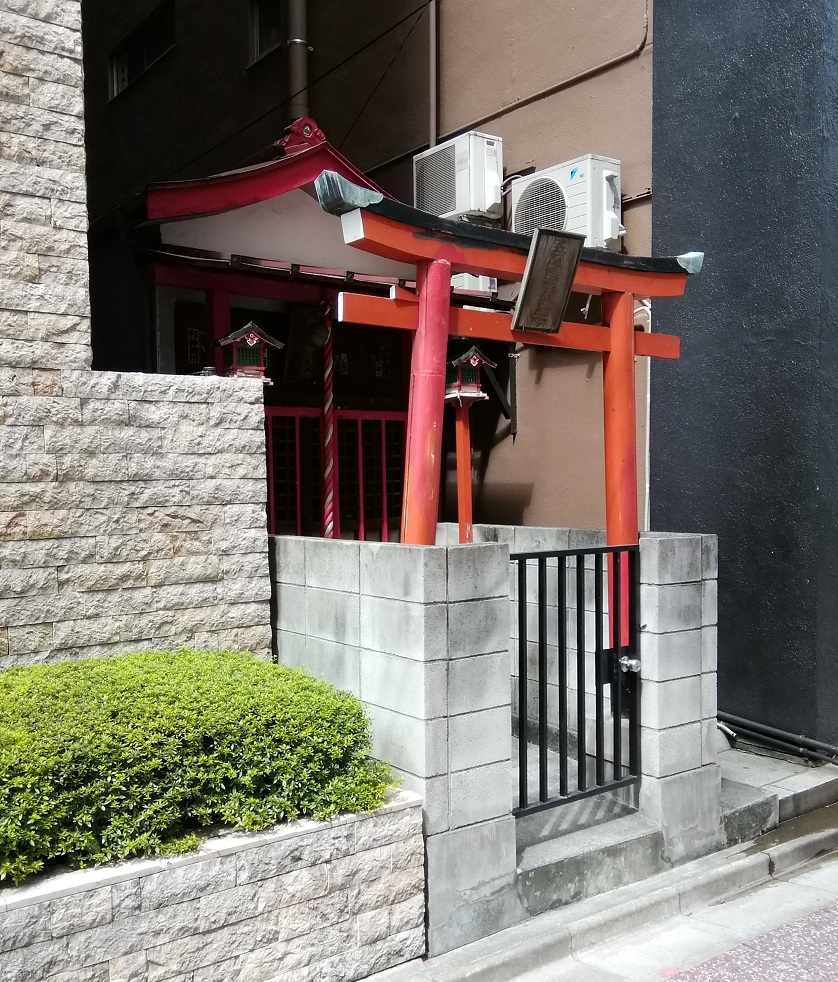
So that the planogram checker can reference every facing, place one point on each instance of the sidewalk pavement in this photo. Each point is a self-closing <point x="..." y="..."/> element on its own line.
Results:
<point x="782" y="930"/>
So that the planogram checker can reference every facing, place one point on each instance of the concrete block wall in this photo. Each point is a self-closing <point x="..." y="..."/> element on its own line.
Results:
<point x="681" y="785"/>
<point x="131" y="507"/>
<point x="421" y="635"/>
<point x="338" y="900"/>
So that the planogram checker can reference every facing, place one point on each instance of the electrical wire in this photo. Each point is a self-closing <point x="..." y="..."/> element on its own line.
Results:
<point x="413" y="13"/>
<point x="378" y="83"/>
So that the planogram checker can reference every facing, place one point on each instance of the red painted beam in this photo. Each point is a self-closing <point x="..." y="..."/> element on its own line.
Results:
<point x="355" y="308"/>
<point x="405" y="243"/>
<point x="239" y="284"/>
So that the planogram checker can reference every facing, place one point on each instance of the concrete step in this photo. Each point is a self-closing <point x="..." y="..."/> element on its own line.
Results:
<point x="571" y="816"/>
<point x="747" y="812"/>
<point x="542" y="940"/>
<point x="589" y="862"/>
<point x="800" y="787"/>
<point x="562" y="820"/>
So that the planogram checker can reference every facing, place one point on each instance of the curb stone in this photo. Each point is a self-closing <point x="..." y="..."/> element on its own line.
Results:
<point x="559" y="933"/>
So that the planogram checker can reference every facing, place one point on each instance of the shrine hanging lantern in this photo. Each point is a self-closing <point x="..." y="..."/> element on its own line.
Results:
<point x="245" y="352"/>
<point x="463" y="383"/>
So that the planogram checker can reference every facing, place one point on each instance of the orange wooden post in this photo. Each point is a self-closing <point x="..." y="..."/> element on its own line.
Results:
<point x="426" y="403"/>
<point x="463" y="441"/>
<point x="620" y="421"/>
<point x="620" y="439"/>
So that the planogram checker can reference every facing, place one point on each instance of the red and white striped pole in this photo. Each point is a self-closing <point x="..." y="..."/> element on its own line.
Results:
<point x="329" y="434"/>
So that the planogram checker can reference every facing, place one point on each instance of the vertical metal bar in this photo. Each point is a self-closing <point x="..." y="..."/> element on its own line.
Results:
<point x="581" y="752"/>
<point x="562" y="612"/>
<point x="361" y="535"/>
<point x="298" y="480"/>
<point x="522" y="683"/>
<point x="634" y="641"/>
<point x="598" y="673"/>
<point x="269" y="446"/>
<point x="617" y="688"/>
<point x="385" y="532"/>
<point x="542" y="678"/>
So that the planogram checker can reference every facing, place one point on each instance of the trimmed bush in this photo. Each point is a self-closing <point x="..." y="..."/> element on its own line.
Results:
<point x="107" y="758"/>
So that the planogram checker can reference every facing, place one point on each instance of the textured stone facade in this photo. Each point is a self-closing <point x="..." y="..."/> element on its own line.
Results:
<point x="132" y="514"/>
<point x="131" y="506"/>
<point x="334" y="901"/>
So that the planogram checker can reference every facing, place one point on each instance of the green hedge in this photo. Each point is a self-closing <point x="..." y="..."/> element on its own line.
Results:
<point x="103" y="759"/>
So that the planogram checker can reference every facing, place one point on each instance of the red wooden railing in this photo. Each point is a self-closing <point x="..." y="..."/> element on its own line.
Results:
<point x="368" y="471"/>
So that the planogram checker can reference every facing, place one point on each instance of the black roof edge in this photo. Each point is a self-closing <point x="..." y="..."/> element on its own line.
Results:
<point x="338" y="196"/>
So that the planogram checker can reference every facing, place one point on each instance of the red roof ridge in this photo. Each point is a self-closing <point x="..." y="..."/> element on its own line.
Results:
<point x="306" y="153"/>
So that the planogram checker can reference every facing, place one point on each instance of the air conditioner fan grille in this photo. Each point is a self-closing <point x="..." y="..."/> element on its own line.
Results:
<point x="542" y="205"/>
<point x="436" y="182"/>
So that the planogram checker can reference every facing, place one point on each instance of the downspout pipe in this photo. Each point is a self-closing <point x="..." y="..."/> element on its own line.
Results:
<point x="795" y="742"/>
<point x="297" y="60"/>
<point x="433" y="73"/>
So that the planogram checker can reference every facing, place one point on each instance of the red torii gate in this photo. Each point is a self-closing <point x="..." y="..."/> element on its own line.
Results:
<point x="438" y="248"/>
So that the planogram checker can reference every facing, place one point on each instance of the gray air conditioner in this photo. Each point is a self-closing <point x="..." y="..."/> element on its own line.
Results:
<point x="460" y="178"/>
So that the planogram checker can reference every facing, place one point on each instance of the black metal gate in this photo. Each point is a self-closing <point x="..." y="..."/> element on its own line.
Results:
<point x="578" y="671"/>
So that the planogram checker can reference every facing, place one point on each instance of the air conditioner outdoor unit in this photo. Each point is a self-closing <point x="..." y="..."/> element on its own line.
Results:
<point x="460" y="177"/>
<point x="581" y="195"/>
<point x="480" y="284"/>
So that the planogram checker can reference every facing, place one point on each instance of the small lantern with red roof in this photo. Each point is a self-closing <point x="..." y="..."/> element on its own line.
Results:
<point x="462" y="382"/>
<point x="245" y="353"/>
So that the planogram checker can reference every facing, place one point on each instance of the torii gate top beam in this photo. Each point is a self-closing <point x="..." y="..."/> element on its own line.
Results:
<point x="389" y="228"/>
<point x="438" y="248"/>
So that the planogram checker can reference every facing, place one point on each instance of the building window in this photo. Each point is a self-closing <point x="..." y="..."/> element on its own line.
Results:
<point x="266" y="27"/>
<point x="144" y="46"/>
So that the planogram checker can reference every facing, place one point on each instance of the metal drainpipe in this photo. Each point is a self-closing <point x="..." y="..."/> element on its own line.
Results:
<point x="297" y="59"/>
<point x="433" y="74"/>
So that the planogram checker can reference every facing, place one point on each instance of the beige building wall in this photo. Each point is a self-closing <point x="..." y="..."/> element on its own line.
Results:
<point x="553" y="473"/>
<point x="496" y="57"/>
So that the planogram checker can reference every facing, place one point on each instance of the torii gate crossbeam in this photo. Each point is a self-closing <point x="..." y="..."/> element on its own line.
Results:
<point x="438" y="248"/>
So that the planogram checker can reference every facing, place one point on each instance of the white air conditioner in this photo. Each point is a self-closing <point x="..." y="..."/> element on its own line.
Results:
<point x="581" y="195"/>
<point x="460" y="177"/>
<point x="478" y="284"/>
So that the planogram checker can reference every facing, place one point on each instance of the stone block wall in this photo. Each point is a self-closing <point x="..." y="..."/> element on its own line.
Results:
<point x="44" y="302"/>
<point x="132" y="514"/>
<point x="131" y="507"/>
<point x="421" y="635"/>
<point x="335" y="901"/>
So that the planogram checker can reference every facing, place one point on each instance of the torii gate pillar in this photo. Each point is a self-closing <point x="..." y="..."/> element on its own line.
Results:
<point x="620" y="418"/>
<point x="426" y="404"/>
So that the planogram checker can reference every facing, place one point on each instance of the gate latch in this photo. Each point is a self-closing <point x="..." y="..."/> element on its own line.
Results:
<point x="629" y="664"/>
